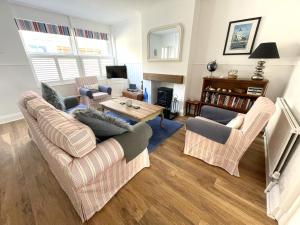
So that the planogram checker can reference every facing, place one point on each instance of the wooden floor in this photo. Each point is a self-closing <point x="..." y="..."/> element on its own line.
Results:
<point x="176" y="189"/>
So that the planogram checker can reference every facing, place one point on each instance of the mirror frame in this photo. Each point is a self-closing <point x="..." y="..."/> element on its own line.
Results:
<point x="179" y="28"/>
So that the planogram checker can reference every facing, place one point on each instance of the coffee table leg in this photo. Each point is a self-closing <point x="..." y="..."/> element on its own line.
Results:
<point x="162" y="116"/>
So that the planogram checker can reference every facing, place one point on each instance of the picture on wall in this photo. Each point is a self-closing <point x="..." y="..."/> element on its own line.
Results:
<point x="241" y="36"/>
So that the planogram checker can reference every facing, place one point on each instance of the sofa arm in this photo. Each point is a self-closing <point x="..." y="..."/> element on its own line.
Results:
<point x="71" y="101"/>
<point x="106" y="154"/>
<point x="85" y="92"/>
<point x="135" y="141"/>
<point x="211" y="130"/>
<point x="105" y="89"/>
<point x="219" y="115"/>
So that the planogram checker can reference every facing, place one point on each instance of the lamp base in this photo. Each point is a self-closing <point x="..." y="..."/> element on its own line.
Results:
<point x="257" y="77"/>
<point x="258" y="74"/>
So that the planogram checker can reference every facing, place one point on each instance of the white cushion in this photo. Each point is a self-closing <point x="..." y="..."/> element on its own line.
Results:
<point x="236" y="123"/>
<point x="92" y="86"/>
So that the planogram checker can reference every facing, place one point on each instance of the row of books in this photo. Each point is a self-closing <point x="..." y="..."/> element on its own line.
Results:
<point x="228" y="101"/>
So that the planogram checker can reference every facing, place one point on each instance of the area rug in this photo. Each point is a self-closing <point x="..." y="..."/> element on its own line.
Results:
<point x="159" y="134"/>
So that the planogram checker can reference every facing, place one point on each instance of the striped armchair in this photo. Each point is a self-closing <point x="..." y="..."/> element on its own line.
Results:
<point x="222" y="146"/>
<point x="91" y="92"/>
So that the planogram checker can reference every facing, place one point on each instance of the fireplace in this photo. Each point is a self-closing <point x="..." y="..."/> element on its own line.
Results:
<point x="165" y="99"/>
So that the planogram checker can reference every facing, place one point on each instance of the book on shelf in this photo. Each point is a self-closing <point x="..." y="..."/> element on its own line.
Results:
<point x="207" y="97"/>
<point x="248" y="103"/>
<point x="212" y="98"/>
<point x="226" y="101"/>
<point x="230" y="101"/>
<point x="235" y="99"/>
<point x="219" y="96"/>
<point x="239" y="103"/>
<point x="221" y="102"/>
<point x="245" y="104"/>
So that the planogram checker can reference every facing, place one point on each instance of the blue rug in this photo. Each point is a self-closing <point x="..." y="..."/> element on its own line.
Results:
<point x="159" y="134"/>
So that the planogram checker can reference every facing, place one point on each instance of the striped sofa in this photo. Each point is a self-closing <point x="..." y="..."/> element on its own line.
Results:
<point x="89" y="173"/>
<point x="227" y="155"/>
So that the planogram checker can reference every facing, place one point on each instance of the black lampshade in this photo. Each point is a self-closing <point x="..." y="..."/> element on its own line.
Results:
<point x="266" y="50"/>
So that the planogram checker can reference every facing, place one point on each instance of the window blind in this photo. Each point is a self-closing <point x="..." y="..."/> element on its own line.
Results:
<point x="45" y="69"/>
<point x="91" y="67"/>
<point x="90" y="34"/>
<point x="68" y="68"/>
<point x="42" y="27"/>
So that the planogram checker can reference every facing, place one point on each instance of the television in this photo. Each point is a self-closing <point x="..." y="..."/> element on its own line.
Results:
<point x="116" y="72"/>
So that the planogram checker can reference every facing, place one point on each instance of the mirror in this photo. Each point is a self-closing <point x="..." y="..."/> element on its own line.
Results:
<point x="164" y="43"/>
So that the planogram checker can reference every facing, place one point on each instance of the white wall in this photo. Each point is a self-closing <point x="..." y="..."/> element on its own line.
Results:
<point x="15" y="71"/>
<point x="278" y="24"/>
<point x="128" y="45"/>
<point x="289" y="181"/>
<point x="54" y="18"/>
<point x="166" y="13"/>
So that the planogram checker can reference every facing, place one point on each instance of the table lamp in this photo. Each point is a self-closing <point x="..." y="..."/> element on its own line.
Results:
<point x="266" y="50"/>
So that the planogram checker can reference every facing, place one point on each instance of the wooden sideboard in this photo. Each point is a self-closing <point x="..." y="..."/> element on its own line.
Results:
<point x="215" y="92"/>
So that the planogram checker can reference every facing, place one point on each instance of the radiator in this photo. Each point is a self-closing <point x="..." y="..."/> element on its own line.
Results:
<point x="280" y="135"/>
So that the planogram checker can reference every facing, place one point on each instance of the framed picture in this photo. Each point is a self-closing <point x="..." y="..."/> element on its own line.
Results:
<point x="241" y="36"/>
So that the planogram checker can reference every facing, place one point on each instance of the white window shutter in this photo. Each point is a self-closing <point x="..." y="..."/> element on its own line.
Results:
<point x="91" y="67"/>
<point x="104" y="63"/>
<point x="45" y="69"/>
<point x="68" y="68"/>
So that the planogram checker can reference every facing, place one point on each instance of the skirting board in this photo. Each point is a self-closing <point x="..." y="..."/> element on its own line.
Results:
<point x="11" y="117"/>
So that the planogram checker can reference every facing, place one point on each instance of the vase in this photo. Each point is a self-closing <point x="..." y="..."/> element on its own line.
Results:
<point x="145" y="95"/>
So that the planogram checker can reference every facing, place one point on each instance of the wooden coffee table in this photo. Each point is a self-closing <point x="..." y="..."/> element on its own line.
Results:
<point x="145" y="113"/>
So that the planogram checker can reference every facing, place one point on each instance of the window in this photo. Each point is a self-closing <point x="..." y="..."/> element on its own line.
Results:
<point x="87" y="46"/>
<point x="58" y="56"/>
<point x="43" y="43"/>
<point x="68" y="68"/>
<point x="45" y="69"/>
<point x="91" y="66"/>
<point x="92" y="43"/>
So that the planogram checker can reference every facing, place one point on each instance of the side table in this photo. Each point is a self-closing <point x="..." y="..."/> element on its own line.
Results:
<point x="138" y="95"/>
<point x="192" y="104"/>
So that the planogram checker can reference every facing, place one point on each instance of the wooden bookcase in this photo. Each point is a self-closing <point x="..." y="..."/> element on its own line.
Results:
<point x="239" y="102"/>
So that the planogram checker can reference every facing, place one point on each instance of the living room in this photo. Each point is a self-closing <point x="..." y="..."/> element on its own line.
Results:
<point x="160" y="154"/>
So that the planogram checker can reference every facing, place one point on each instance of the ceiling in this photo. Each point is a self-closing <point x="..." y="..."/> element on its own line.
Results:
<point x="104" y="11"/>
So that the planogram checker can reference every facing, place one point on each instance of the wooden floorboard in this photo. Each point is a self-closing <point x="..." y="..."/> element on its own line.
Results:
<point x="176" y="189"/>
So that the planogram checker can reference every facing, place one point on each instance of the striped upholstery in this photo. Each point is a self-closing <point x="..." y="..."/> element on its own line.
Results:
<point x="66" y="132"/>
<point x="83" y="81"/>
<point x="228" y="155"/>
<point x="100" y="96"/>
<point x="35" y="105"/>
<point x="91" y="181"/>
<point x="27" y="96"/>
<point x="97" y="97"/>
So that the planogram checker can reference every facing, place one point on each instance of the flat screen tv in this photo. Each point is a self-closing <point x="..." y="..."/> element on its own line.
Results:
<point x="116" y="72"/>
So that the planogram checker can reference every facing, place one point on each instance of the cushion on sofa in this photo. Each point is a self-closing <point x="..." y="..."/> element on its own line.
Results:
<point x="52" y="97"/>
<point x="92" y="86"/>
<point x="103" y="126"/>
<point x="27" y="96"/>
<point x="35" y="105"/>
<point x="66" y="132"/>
<point x="236" y="122"/>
